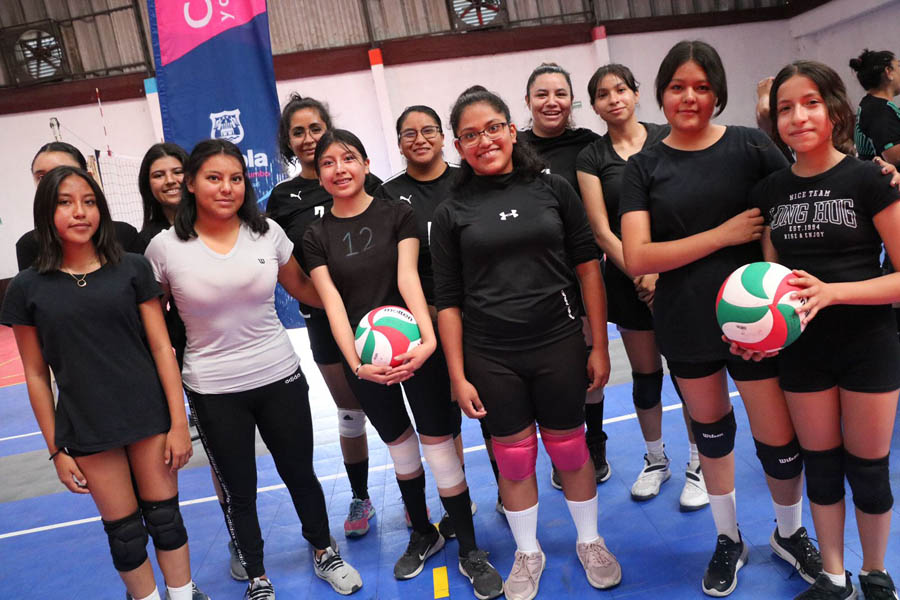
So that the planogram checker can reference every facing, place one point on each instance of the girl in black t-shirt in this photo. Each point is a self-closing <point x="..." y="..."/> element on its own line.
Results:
<point x="685" y="215"/>
<point x="826" y="218"/>
<point x="119" y="431"/>
<point x="877" y="131"/>
<point x="424" y="184"/>
<point x="506" y="247"/>
<point x="361" y="255"/>
<point x="159" y="181"/>
<point x="615" y="94"/>
<point x="553" y="135"/>
<point x="295" y="204"/>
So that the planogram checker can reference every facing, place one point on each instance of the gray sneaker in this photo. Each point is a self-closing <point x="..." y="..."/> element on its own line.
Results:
<point x="523" y="580"/>
<point x="331" y="567"/>
<point x="238" y="572"/>
<point x="600" y="566"/>
<point x="420" y="547"/>
<point x="260" y="589"/>
<point x="486" y="581"/>
<point x="196" y="594"/>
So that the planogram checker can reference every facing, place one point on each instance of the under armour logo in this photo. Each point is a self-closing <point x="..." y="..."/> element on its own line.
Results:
<point x="407" y="198"/>
<point x="512" y="213"/>
<point x="297" y="195"/>
<point x="262" y="261"/>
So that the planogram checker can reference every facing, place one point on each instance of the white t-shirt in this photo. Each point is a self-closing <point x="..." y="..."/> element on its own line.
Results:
<point x="235" y="341"/>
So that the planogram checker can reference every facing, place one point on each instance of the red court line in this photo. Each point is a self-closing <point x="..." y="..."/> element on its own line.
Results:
<point x="11" y="371"/>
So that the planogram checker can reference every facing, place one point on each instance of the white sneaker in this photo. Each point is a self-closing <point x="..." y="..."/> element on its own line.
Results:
<point x="525" y="576"/>
<point x="655" y="473"/>
<point x="693" y="495"/>
<point x="331" y="567"/>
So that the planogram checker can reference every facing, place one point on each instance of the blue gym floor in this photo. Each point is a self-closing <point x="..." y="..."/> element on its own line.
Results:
<point x="53" y="546"/>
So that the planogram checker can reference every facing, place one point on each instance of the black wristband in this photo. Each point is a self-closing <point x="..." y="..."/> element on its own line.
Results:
<point x="52" y="456"/>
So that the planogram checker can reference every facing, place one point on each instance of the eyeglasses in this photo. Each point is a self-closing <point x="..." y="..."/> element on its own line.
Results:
<point x="492" y="131"/>
<point x="429" y="132"/>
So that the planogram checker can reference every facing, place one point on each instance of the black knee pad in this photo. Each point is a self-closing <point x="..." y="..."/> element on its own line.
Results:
<point x="715" y="440"/>
<point x="780" y="462"/>
<point x="127" y="541"/>
<point x="870" y="481"/>
<point x="164" y="523"/>
<point x="646" y="389"/>
<point x="824" y="475"/>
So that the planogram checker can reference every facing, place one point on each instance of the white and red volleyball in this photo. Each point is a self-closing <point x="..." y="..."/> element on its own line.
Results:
<point x="384" y="333"/>
<point x="755" y="309"/>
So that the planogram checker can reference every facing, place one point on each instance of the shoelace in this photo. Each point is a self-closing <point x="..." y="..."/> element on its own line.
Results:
<point x="357" y="511"/>
<point x="260" y="591"/>
<point x="332" y="563"/>
<point x="599" y="553"/>
<point x="477" y="562"/>
<point x="520" y="565"/>
<point x="415" y="539"/>
<point x="723" y="558"/>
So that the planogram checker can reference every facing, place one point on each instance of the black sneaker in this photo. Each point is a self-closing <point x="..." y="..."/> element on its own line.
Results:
<point x="823" y="589"/>
<point x="720" y="578"/>
<point x="555" y="481"/>
<point x="486" y="581"/>
<point x="877" y="585"/>
<point x="799" y="552"/>
<point x="421" y="546"/>
<point x="597" y="449"/>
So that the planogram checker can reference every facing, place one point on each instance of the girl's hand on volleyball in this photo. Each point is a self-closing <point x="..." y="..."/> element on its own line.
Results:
<point x="598" y="368"/>
<point x="374" y="373"/>
<point x="889" y="169"/>
<point x="817" y="294"/>
<point x="465" y="394"/>
<point x="178" y="447"/>
<point x="746" y="353"/>
<point x="69" y="474"/>
<point x="412" y="360"/>
<point x="742" y="228"/>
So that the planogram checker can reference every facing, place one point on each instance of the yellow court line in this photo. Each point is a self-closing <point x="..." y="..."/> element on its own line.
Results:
<point x="441" y="585"/>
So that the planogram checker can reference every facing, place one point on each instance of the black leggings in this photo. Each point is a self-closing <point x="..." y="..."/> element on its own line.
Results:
<point x="227" y="424"/>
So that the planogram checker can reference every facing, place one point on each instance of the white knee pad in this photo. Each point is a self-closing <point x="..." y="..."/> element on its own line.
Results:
<point x="444" y="463"/>
<point x="406" y="456"/>
<point x="351" y="423"/>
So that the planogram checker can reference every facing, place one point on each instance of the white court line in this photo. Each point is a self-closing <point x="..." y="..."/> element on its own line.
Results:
<point x="281" y="486"/>
<point x="15" y="437"/>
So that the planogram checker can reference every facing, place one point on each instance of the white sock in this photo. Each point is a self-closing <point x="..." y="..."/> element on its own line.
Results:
<point x="180" y="593"/>
<point x="789" y="518"/>
<point x="724" y="512"/>
<point x="523" y="524"/>
<point x="838" y="580"/>
<point x="655" y="448"/>
<point x="584" y="514"/>
<point x="694" y="460"/>
<point x="153" y="596"/>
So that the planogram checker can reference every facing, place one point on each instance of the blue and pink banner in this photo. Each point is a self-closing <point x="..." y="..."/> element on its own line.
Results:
<point x="215" y="79"/>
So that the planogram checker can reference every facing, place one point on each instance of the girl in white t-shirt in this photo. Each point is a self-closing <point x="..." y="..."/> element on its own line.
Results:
<point x="220" y="262"/>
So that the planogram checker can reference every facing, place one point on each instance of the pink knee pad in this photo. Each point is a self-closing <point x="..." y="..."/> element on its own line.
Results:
<point x="516" y="461"/>
<point x="569" y="451"/>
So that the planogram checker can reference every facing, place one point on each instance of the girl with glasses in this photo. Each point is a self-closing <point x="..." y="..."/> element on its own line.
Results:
<point x="503" y="248"/>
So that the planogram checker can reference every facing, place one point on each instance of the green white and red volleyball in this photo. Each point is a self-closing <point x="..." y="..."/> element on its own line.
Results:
<point x="386" y="332"/>
<point x="755" y="309"/>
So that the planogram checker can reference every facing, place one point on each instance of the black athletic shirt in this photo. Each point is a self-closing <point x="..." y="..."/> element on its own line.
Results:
<point x="504" y="251"/>
<point x="424" y="196"/>
<point x="93" y="339"/>
<point x="561" y="151"/>
<point x="128" y="237"/>
<point x="823" y="224"/>
<point x="689" y="192"/>
<point x="297" y="203"/>
<point x="601" y="160"/>
<point x="877" y="126"/>
<point x="361" y="253"/>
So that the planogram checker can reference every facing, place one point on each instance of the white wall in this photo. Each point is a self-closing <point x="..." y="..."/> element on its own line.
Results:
<point x="832" y="34"/>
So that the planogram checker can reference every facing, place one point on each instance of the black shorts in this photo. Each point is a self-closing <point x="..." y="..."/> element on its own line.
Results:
<point x="428" y="393"/>
<point x="623" y="306"/>
<point x="852" y="347"/>
<point x="517" y="388"/>
<point x="325" y="350"/>
<point x="738" y="368"/>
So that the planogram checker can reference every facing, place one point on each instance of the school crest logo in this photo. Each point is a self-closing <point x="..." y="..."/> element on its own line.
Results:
<point x="226" y="125"/>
